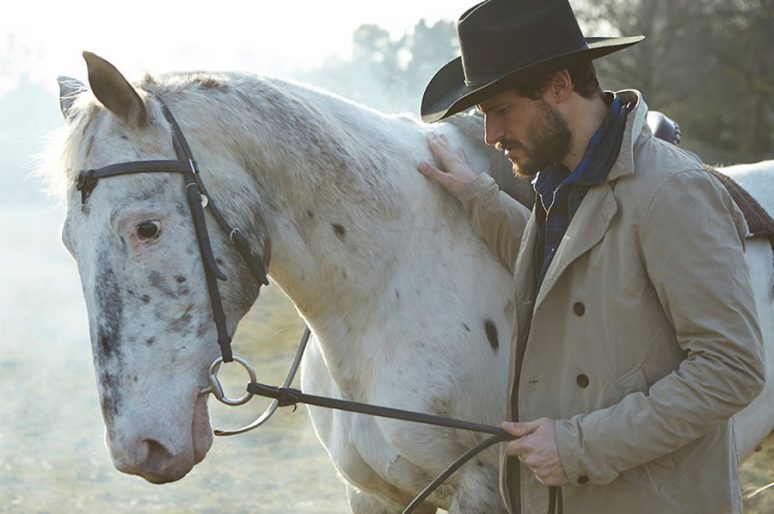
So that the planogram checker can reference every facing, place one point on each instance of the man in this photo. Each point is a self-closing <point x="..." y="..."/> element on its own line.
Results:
<point x="635" y="336"/>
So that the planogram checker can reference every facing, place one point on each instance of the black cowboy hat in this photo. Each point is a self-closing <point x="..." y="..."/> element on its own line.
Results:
<point x="509" y="41"/>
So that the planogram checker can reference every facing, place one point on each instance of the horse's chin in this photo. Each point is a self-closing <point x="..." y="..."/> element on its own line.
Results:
<point x="164" y="479"/>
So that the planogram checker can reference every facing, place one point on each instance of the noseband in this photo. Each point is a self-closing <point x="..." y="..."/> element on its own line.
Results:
<point x="198" y="199"/>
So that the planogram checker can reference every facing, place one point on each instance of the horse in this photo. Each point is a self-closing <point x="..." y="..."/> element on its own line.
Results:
<point x="407" y="306"/>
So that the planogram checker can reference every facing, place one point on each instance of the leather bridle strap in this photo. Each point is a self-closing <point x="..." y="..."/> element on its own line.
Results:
<point x="255" y="264"/>
<point x="197" y="199"/>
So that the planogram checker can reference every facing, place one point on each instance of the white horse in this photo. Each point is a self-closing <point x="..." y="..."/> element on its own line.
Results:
<point x="408" y="307"/>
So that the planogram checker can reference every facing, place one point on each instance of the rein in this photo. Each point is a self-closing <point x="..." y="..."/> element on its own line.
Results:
<point x="198" y="199"/>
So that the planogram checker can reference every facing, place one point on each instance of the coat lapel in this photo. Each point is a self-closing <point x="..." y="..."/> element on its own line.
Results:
<point x="587" y="228"/>
<point x="524" y="274"/>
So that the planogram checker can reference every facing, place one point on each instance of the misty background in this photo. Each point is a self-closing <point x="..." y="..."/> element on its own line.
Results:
<point x="707" y="64"/>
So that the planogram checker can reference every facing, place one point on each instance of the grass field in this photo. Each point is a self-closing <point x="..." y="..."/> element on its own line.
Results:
<point x="756" y="473"/>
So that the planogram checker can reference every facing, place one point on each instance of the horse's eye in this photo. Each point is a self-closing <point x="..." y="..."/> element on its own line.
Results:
<point x="149" y="229"/>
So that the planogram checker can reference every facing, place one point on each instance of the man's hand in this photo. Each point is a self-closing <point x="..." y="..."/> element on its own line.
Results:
<point x="536" y="449"/>
<point x="456" y="173"/>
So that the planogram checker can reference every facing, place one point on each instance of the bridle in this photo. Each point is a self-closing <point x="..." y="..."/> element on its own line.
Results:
<point x="198" y="199"/>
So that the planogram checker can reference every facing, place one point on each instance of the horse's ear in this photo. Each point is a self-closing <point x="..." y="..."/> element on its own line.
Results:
<point x="115" y="92"/>
<point x="69" y="89"/>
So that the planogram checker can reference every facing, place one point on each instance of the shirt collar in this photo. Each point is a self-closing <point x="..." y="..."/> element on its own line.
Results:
<point x="586" y="175"/>
<point x="549" y="180"/>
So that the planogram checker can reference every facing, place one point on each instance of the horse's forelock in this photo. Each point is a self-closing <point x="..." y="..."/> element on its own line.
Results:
<point x="56" y="162"/>
<point x="67" y="149"/>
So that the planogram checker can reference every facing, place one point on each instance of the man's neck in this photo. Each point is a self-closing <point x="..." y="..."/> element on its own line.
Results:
<point x="584" y="117"/>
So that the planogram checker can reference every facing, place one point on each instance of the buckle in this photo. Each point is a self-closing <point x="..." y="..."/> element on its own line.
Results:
<point x="85" y="184"/>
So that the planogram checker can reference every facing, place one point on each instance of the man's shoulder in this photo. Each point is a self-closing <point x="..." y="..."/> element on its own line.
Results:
<point x="662" y="168"/>
<point x="657" y="162"/>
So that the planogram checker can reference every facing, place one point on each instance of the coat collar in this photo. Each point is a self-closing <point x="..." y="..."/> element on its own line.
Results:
<point x="624" y="165"/>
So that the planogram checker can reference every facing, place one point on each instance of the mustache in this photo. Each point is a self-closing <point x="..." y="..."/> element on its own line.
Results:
<point x="508" y="144"/>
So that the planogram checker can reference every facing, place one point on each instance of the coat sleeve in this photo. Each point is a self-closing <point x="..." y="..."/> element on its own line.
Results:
<point x="703" y="284"/>
<point x="496" y="217"/>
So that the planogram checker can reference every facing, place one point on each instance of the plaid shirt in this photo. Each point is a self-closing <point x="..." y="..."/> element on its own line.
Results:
<point x="560" y="192"/>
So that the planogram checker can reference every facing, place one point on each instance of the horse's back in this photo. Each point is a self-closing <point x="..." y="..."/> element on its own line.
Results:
<point x="757" y="179"/>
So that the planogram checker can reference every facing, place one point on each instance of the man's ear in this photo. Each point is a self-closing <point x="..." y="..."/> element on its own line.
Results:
<point x="560" y="85"/>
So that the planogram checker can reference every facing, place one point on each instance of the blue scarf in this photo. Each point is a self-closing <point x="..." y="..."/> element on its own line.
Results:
<point x="560" y="192"/>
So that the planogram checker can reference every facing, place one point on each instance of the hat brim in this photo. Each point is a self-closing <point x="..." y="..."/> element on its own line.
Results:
<point x="447" y="94"/>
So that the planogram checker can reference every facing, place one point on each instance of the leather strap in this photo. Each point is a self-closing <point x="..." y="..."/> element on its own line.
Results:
<point x="286" y="396"/>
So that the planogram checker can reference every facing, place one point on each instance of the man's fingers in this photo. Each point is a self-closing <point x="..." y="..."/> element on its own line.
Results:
<point x="535" y="448"/>
<point x="520" y="448"/>
<point x="428" y="170"/>
<point x="448" y="181"/>
<point x="451" y="168"/>
<point x="439" y="145"/>
<point x="520" y="429"/>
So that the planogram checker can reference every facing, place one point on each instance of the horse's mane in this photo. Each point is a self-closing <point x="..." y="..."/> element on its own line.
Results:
<point x="339" y="146"/>
<point x="314" y="132"/>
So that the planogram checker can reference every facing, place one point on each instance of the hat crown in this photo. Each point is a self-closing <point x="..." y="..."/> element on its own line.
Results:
<point x="504" y="42"/>
<point x="498" y="35"/>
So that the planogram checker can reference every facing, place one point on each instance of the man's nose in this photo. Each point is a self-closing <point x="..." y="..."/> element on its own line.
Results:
<point x="492" y="131"/>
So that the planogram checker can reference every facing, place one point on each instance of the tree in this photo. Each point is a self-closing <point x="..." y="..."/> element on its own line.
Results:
<point x="389" y="74"/>
<point x="741" y="35"/>
<point x="707" y="64"/>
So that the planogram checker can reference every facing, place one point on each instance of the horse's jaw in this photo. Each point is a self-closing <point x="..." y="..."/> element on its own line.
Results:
<point x="161" y="453"/>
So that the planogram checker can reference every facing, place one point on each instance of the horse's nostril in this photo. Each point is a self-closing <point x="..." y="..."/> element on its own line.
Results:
<point x="158" y="463"/>
<point x="157" y="457"/>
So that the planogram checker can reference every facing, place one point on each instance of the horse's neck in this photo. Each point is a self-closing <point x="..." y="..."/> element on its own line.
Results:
<point x="350" y="229"/>
<point x="352" y="223"/>
<point x="339" y="211"/>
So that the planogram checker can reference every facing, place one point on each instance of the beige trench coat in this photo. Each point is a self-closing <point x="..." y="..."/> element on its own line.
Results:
<point x="642" y="341"/>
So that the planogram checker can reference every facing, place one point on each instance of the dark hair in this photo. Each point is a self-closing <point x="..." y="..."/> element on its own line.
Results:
<point x="583" y="76"/>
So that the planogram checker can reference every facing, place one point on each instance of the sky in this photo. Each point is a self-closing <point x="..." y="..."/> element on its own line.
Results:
<point x="41" y="39"/>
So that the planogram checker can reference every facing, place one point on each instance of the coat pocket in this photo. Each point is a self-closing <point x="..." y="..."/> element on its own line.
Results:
<point x="657" y="471"/>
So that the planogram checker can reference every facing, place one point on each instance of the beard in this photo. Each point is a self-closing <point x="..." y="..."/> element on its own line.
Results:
<point x="549" y="143"/>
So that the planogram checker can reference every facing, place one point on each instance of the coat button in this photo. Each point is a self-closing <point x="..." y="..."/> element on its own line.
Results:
<point x="582" y="381"/>
<point x="583" y="479"/>
<point x="579" y="309"/>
